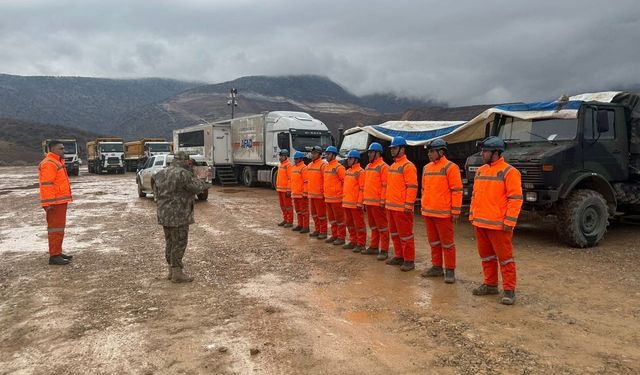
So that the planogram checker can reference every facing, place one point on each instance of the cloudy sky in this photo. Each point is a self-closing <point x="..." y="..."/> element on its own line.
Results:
<point x="462" y="52"/>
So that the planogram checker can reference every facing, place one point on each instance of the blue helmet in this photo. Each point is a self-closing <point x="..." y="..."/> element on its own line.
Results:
<point x="375" y="146"/>
<point x="354" y="154"/>
<point x="332" y="150"/>
<point x="492" y="143"/>
<point x="284" y="152"/>
<point x="317" y="149"/>
<point x="298" y="155"/>
<point x="398" y="142"/>
<point x="437" y="144"/>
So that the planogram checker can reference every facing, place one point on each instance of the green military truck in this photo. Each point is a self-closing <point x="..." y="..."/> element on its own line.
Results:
<point x="579" y="158"/>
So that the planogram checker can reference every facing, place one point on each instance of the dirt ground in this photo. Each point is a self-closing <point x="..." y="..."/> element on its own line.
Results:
<point x="268" y="300"/>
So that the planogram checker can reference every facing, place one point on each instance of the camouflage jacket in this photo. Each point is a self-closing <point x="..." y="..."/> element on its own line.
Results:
<point x="174" y="190"/>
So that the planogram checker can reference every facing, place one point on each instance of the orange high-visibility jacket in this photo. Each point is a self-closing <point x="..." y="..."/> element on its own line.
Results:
<point x="497" y="196"/>
<point x="375" y="182"/>
<point x="54" y="182"/>
<point x="315" y="171"/>
<point x="441" y="189"/>
<point x="353" y="196"/>
<point x="333" y="179"/>
<point x="402" y="185"/>
<point x="283" y="181"/>
<point x="298" y="181"/>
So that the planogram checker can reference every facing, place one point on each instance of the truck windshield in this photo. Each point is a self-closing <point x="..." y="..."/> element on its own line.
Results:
<point x="69" y="147"/>
<point x="304" y="142"/>
<point x="159" y="147"/>
<point x="111" y="147"/>
<point x="519" y="130"/>
<point x="355" y="141"/>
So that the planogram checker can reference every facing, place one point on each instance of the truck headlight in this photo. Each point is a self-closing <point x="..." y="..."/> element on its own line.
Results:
<point x="465" y="192"/>
<point x="531" y="196"/>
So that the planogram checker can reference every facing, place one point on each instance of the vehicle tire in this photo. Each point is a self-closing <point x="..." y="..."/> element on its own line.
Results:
<point x="204" y="195"/>
<point x="249" y="176"/>
<point x="583" y="218"/>
<point x="76" y="172"/>
<point x="141" y="193"/>
<point x="274" y="179"/>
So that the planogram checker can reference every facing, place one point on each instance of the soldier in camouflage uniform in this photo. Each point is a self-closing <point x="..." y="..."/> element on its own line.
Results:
<point x="174" y="190"/>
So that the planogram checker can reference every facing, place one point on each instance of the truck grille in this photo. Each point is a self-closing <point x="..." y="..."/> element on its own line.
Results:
<point x="531" y="172"/>
<point x="69" y="159"/>
<point x="113" y="161"/>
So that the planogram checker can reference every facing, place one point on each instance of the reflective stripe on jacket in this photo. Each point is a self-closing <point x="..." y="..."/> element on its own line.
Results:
<point x="298" y="186"/>
<point x="315" y="171"/>
<point x="334" y="173"/>
<point x="497" y="196"/>
<point x="283" y="181"/>
<point x="55" y="187"/>
<point x="353" y="191"/>
<point x="375" y="182"/>
<point x="402" y="185"/>
<point x="441" y="189"/>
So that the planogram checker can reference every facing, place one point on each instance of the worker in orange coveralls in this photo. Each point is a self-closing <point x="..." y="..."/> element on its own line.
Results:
<point x="402" y="189"/>
<point x="55" y="194"/>
<point x="353" y="204"/>
<point x="298" y="188"/>
<point x="441" y="206"/>
<point x="315" y="173"/>
<point x="375" y="188"/>
<point x="283" y="187"/>
<point x="495" y="207"/>
<point x="334" y="173"/>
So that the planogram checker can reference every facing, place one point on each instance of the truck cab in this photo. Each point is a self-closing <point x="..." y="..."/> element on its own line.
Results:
<point x="105" y="154"/>
<point x="71" y="155"/>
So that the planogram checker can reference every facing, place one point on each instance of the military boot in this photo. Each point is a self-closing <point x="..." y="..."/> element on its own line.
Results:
<point x="282" y="223"/>
<point x="383" y="255"/>
<point x="338" y="242"/>
<point x="449" y="276"/>
<point x="304" y="230"/>
<point x="170" y="273"/>
<point x="58" y="260"/>
<point x="395" y="261"/>
<point x="508" y="297"/>
<point x="315" y="233"/>
<point x="432" y="272"/>
<point x="288" y="225"/>
<point x="322" y="236"/>
<point x="330" y="239"/>
<point x="177" y="276"/>
<point x="485" y="289"/>
<point x="407" y="266"/>
<point x="349" y="246"/>
<point x="369" y="251"/>
<point x="297" y="228"/>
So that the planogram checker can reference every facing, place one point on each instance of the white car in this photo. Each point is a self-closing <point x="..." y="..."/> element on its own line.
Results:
<point x="156" y="163"/>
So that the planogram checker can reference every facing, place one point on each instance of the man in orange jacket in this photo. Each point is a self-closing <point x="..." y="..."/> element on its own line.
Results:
<point x="441" y="205"/>
<point x="315" y="173"/>
<point x="352" y="202"/>
<point x="495" y="206"/>
<point x="298" y="188"/>
<point x="375" y="190"/>
<point x="55" y="194"/>
<point x="283" y="183"/>
<point x="334" y="173"/>
<point x="402" y="189"/>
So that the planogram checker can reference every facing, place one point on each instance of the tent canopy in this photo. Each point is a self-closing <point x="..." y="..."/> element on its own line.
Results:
<point x="417" y="133"/>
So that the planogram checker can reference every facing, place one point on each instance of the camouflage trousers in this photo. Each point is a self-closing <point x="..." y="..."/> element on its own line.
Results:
<point x="176" y="243"/>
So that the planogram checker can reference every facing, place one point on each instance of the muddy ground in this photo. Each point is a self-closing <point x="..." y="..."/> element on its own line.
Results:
<point x="268" y="300"/>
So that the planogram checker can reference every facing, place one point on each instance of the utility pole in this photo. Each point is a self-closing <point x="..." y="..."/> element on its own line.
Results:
<point x="232" y="100"/>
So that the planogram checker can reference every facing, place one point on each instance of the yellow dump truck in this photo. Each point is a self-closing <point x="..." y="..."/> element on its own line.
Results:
<point x="105" y="154"/>
<point x="136" y="153"/>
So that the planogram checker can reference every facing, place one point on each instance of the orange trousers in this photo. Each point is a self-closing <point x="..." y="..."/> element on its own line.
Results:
<point x="354" y="218"/>
<point x="378" y="223"/>
<point x="302" y="211"/>
<point x="440" y="236"/>
<point x="286" y="205"/>
<point x="401" y="227"/>
<point x="495" y="246"/>
<point x="319" y="215"/>
<point x="56" y="222"/>
<point x="335" y="214"/>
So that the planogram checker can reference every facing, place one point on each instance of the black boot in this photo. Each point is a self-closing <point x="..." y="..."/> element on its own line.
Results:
<point x="383" y="255"/>
<point x="330" y="239"/>
<point x="315" y="233"/>
<point x="67" y="257"/>
<point x="58" y="261"/>
<point x="508" y="297"/>
<point x="407" y="266"/>
<point x="395" y="261"/>
<point x="282" y="223"/>
<point x="485" y="289"/>
<point x="304" y="230"/>
<point x="449" y="276"/>
<point x="349" y="246"/>
<point x="434" y="271"/>
<point x="297" y="228"/>
<point x="370" y="251"/>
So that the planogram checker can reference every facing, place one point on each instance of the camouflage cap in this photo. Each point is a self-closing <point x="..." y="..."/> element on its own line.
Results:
<point x="181" y="155"/>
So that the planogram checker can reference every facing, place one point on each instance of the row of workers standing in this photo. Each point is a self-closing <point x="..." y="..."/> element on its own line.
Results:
<point x="387" y="195"/>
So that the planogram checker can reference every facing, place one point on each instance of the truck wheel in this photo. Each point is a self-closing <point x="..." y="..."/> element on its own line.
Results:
<point x="203" y="196"/>
<point x="249" y="176"/>
<point x="141" y="193"/>
<point x="274" y="179"/>
<point x="583" y="218"/>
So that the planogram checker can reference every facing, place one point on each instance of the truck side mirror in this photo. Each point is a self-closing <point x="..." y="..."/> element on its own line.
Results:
<point x="283" y="141"/>
<point x="603" y="121"/>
